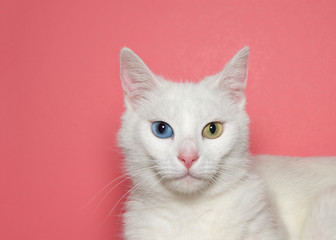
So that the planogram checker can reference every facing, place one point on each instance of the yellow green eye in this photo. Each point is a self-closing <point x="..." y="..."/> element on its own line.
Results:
<point x="213" y="130"/>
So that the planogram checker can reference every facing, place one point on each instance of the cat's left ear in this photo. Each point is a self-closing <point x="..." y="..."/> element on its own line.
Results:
<point x="136" y="78"/>
<point x="233" y="78"/>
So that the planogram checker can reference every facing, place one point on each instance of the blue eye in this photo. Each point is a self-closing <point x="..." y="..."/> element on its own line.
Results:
<point x="162" y="129"/>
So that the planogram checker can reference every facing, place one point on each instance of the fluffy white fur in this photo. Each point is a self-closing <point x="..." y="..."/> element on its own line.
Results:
<point x="227" y="194"/>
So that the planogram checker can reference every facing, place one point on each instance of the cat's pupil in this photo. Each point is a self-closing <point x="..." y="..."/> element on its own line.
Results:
<point x="212" y="128"/>
<point x="161" y="127"/>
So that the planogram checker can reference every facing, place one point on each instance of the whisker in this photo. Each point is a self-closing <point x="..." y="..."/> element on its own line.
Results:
<point x="132" y="190"/>
<point x="106" y="194"/>
<point x="110" y="212"/>
<point x="102" y="190"/>
<point x="159" y="180"/>
<point x="109" y="184"/>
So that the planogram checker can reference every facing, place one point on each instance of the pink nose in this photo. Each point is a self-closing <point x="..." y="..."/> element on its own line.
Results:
<point x="188" y="158"/>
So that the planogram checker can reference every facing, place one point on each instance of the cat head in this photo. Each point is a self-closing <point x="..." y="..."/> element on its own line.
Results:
<point x="185" y="138"/>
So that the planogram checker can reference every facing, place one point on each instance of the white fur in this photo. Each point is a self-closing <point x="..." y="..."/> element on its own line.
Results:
<point x="228" y="196"/>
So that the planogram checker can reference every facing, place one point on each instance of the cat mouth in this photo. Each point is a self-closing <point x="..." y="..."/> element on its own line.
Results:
<point x="189" y="177"/>
<point x="187" y="183"/>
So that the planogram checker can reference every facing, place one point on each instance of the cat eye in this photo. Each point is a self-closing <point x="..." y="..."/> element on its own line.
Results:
<point x="212" y="130"/>
<point x="162" y="129"/>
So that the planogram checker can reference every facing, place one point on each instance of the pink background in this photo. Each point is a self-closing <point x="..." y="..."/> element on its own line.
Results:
<point x="61" y="98"/>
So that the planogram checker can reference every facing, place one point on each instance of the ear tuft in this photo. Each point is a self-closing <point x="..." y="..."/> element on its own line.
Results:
<point x="136" y="78"/>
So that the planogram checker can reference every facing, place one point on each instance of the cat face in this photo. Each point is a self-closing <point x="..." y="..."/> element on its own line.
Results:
<point x="184" y="137"/>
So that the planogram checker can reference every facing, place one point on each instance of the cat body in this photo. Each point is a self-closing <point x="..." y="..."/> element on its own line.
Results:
<point x="186" y="151"/>
<point x="241" y="213"/>
<point x="303" y="190"/>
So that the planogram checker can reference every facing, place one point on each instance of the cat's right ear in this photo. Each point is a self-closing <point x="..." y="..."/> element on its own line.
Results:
<point x="234" y="76"/>
<point x="136" y="78"/>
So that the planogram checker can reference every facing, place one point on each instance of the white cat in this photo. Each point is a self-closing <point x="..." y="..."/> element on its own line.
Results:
<point x="186" y="150"/>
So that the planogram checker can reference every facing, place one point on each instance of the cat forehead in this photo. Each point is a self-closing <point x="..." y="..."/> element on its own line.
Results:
<point x="184" y="92"/>
<point x="185" y="101"/>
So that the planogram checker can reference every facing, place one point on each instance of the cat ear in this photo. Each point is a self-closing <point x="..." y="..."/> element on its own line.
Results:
<point x="136" y="78"/>
<point x="233" y="78"/>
